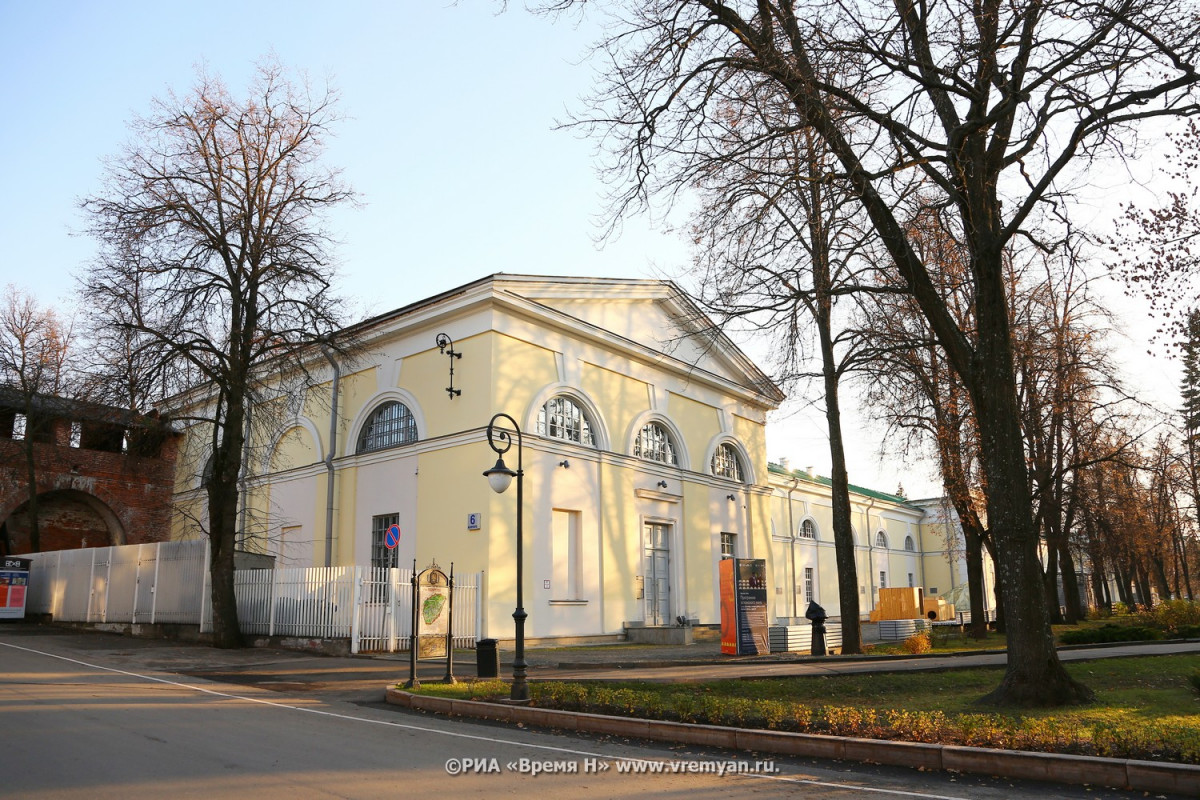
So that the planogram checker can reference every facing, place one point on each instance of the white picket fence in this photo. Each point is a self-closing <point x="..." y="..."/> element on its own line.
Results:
<point x="167" y="582"/>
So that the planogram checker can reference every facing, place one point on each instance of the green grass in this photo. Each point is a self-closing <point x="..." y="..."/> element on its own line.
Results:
<point x="1146" y="707"/>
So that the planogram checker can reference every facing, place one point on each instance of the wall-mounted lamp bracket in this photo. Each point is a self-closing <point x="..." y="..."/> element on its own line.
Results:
<point x="446" y="347"/>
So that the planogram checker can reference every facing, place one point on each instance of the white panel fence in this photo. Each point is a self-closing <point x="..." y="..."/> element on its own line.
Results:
<point x="167" y="582"/>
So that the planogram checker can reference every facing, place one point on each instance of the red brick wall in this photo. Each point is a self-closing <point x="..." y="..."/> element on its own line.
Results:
<point x="85" y="494"/>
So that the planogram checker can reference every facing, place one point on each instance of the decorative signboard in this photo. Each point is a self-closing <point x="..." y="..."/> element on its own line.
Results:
<point x="744" y="628"/>
<point x="433" y="613"/>
<point x="14" y="584"/>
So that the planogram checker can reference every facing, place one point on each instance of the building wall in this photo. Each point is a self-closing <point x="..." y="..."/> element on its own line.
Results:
<point x="589" y="512"/>
<point x="87" y="497"/>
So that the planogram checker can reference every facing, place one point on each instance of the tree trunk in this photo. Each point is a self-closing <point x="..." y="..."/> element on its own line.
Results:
<point x="974" y="548"/>
<point x="1050" y="580"/>
<point x="1035" y="676"/>
<point x="222" y="516"/>
<point x="1070" y="579"/>
<point x="35" y="536"/>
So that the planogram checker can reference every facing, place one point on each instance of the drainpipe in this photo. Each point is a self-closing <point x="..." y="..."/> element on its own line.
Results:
<point x="333" y="420"/>
<point x="869" y="534"/>
<point x="792" y="546"/>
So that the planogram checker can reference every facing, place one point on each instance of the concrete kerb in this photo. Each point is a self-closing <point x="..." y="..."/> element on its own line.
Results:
<point x="1142" y="776"/>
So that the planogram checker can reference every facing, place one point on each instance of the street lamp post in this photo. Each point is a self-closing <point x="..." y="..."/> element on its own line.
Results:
<point x="500" y="478"/>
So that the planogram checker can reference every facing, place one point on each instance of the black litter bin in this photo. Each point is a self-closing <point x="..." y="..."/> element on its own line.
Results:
<point x="487" y="659"/>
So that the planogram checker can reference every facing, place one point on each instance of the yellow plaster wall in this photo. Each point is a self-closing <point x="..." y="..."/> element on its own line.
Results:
<point x="523" y="369"/>
<point x="698" y="422"/>
<point x="295" y="448"/>
<point x="620" y="399"/>
<point x="753" y="436"/>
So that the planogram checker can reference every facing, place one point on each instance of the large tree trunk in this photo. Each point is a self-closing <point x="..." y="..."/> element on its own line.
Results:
<point x="222" y="516"/>
<point x="1034" y="676"/>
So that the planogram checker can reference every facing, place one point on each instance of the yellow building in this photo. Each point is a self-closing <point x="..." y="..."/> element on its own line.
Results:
<point x="897" y="543"/>
<point x="644" y="456"/>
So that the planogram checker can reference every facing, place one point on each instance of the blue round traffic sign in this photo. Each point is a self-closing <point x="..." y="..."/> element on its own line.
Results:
<point x="392" y="538"/>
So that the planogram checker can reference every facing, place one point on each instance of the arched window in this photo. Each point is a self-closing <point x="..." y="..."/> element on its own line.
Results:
<point x="562" y="418"/>
<point x="654" y="444"/>
<point x="881" y="540"/>
<point x="808" y="529"/>
<point x="390" y="425"/>
<point x="726" y="464"/>
<point x="909" y="544"/>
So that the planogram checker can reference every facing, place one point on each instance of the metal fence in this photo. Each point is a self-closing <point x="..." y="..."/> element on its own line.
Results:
<point x="168" y="582"/>
<point x="137" y="583"/>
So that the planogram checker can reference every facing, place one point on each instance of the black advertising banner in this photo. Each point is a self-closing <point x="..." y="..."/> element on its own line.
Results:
<point x="752" y="606"/>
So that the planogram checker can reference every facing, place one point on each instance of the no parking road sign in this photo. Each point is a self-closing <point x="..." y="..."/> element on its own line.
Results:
<point x="392" y="537"/>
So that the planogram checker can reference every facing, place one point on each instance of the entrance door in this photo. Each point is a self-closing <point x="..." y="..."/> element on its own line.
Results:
<point x="658" y="574"/>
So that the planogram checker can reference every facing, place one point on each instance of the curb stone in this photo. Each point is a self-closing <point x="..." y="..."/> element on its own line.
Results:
<point x="1142" y="776"/>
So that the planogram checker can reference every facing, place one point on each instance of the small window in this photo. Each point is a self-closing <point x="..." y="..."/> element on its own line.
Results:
<point x="728" y="545"/>
<point x="726" y="464"/>
<point x="808" y="529"/>
<point x="909" y="544"/>
<point x="881" y="540"/>
<point x="654" y="444"/>
<point x="882" y="580"/>
<point x="391" y="425"/>
<point x="910" y="581"/>
<point x="562" y="418"/>
<point x="808" y="584"/>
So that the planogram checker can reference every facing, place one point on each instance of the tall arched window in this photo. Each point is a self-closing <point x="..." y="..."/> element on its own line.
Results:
<point x="654" y="444"/>
<point x="726" y="464"/>
<point x="808" y="529"/>
<point x="390" y="425"/>
<point x="562" y="418"/>
<point x="881" y="540"/>
<point x="909" y="544"/>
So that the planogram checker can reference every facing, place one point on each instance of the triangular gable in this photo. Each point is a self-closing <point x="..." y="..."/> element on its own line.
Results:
<point x="654" y="314"/>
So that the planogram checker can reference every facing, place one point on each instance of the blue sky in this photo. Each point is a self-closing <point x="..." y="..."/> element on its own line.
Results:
<point x="449" y="139"/>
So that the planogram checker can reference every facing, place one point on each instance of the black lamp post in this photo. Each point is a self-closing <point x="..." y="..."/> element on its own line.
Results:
<point x="500" y="477"/>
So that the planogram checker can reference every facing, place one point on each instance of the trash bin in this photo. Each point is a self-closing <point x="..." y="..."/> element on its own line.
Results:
<point x="487" y="659"/>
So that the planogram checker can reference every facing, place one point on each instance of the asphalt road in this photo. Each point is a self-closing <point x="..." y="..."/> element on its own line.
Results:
<point x="88" y="717"/>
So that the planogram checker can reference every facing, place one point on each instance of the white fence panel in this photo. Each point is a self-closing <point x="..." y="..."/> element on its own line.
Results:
<point x="315" y="602"/>
<point x="385" y="616"/>
<point x="167" y="582"/>
<point x="129" y="583"/>
<point x="179" y="581"/>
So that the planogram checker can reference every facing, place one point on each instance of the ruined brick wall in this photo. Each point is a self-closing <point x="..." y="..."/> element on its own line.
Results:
<point x="87" y="498"/>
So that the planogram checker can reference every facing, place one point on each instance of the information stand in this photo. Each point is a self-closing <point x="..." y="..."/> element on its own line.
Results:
<point x="14" y="585"/>
<point x="744" y="629"/>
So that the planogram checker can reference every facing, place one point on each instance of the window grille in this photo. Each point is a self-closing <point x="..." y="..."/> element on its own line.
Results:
<point x="562" y="418"/>
<point x="808" y="529"/>
<point x="381" y="556"/>
<point x="391" y="425"/>
<point x="881" y="540"/>
<point x="726" y="464"/>
<point x="654" y="444"/>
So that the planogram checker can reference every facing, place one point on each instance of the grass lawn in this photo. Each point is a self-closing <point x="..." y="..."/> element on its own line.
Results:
<point x="1146" y="707"/>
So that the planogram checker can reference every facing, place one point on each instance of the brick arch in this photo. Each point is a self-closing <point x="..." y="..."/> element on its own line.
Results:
<point x="67" y="519"/>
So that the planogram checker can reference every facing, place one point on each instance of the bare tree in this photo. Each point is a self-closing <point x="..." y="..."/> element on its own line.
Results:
<point x="913" y="390"/>
<point x="214" y="255"/>
<point x="782" y="247"/>
<point x="34" y="361"/>
<point x="999" y="106"/>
